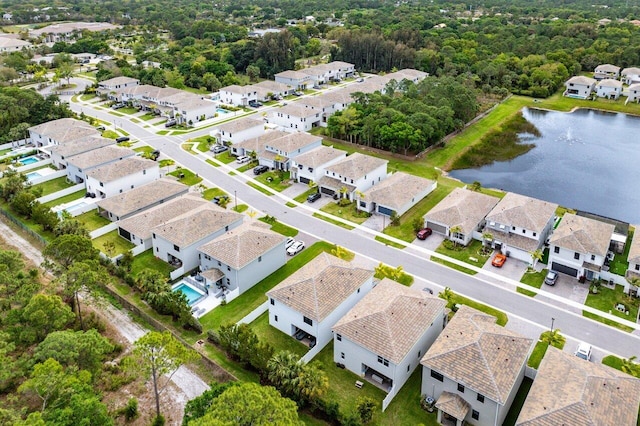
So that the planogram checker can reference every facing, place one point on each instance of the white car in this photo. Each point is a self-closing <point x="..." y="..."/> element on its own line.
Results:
<point x="289" y="242"/>
<point x="243" y="159"/>
<point x="295" y="248"/>
<point x="584" y="351"/>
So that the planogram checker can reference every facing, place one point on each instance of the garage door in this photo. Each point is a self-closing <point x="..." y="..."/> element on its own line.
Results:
<point x="327" y="191"/>
<point x="385" y="210"/>
<point x="304" y="180"/>
<point x="440" y="229"/>
<point x="564" y="269"/>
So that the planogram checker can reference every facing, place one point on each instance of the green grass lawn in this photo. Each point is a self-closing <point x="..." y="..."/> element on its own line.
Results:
<point x="92" y="220"/>
<point x="148" y="116"/>
<point x="238" y="308"/>
<point x="258" y="188"/>
<point x="209" y="193"/>
<point x="28" y="223"/>
<point x="146" y="149"/>
<point x="619" y="264"/>
<point x="53" y="185"/>
<point x="518" y="402"/>
<point x="606" y="300"/>
<point x="405" y="408"/>
<point x="128" y="110"/>
<point x="347" y="212"/>
<point x="276" y="338"/>
<point x="121" y="245"/>
<point x="335" y="222"/>
<point x="166" y="162"/>
<point x="240" y="208"/>
<point x="225" y="157"/>
<point x="146" y="260"/>
<point x="280" y="227"/>
<point x="303" y="197"/>
<point x="250" y="165"/>
<point x="274" y="180"/>
<point x="464" y="254"/>
<point x="186" y="176"/>
<point x="534" y="279"/>
<point x="501" y="317"/>
<point x="537" y="354"/>
<point x="73" y="196"/>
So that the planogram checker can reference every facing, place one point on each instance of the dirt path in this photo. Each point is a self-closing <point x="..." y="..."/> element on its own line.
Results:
<point x="30" y="252"/>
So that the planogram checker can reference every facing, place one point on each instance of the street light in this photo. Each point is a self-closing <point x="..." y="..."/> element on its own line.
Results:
<point x="235" y="196"/>
<point x="552" y="320"/>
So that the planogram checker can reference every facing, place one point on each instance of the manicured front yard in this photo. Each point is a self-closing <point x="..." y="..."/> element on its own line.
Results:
<point x="53" y="185"/>
<point x="209" y="193"/>
<point x="347" y="212"/>
<point x="606" y="300"/>
<point x="146" y="149"/>
<point x="275" y="180"/>
<point x="146" y="260"/>
<point x="71" y="197"/>
<point x="186" y="176"/>
<point x="470" y="254"/>
<point x="92" y="220"/>
<point x="120" y="244"/>
<point x="276" y="338"/>
<point x="456" y="299"/>
<point x="537" y="354"/>
<point x="533" y="279"/>
<point x="280" y="227"/>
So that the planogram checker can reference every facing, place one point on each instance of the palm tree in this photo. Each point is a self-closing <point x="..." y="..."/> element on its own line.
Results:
<point x="536" y="256"/>
<point x="631" y="367"/>
<point x="446" y="294"/>
<point x="339" y="251"/>
<point x="283" y="371"/>
<point x="487" y="238"/>
<point x="452" y="231"/>
<point x="553" y="338"/>
<point x="313" y="383"/>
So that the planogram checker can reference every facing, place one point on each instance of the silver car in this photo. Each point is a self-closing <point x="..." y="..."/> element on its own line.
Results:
<point x="551" y="278"/>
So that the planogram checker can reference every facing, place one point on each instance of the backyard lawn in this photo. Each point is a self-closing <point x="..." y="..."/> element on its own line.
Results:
<point x="73" y="196"/>
<point x="120" y="244"/>
<point x="92" y="220"/>
<point x="276" y="338"/>
<point x="146" y="260"/>
<point x="619" y="264"/>
<point x="53" y="185"/>
<point x="470" y="254"/>
<point x="606" y="300"/>
<point x="533" y="279"/>
<point x="537" y="354"/>
<point x="186" y="176"/>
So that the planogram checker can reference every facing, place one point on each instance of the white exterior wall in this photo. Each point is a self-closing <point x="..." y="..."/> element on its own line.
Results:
<point x="607" y="92"/>
<point x="197" y="114"/>
<point x="108" y="189"/>
<point x="292" y="123"/>
<point x="634" y="95"/>
<point x="41" y="140"/>
<point x="566" y="257"/>
<point x="293" y="82"/>
<point x="138" y="241"/>
<point x="631" y="78"/>
<point x="515" y="252"/>
<point x="232" y="98"/>
<point x="314" y="174"/>
<point x="243" y="135"/>
<point x="78" y="175"/>
<point x="584" y="91"/>
<point x="365" y="182"/>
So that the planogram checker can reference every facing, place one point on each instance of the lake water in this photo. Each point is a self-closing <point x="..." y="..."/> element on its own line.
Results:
<point x="586" y="160"/>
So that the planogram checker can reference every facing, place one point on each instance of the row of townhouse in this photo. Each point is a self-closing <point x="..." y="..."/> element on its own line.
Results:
<point x="629" y="75"/>
<point x="608" y="83"/>
<point x="259" y="92"/>
<point x="471" y="367"/>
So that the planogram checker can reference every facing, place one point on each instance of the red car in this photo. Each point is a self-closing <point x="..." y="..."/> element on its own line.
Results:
<point x="499" y="260"/>
<point x="424" y="233"/>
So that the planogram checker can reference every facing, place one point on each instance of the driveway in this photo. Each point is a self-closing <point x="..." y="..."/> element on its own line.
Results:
<point x="432" y="242"/>
<point x="512" y="268"/>
<point x="568" y="288"/>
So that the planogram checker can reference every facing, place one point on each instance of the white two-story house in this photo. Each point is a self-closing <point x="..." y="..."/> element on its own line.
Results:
<point x="356" y="172"/>
<point x="579" y="246"/>
<point x="60" y="153"/>
<point x="238" y="130"/>
<point x="633" y="270"/>
<point x="606" y="71"/>
<point x="295" y="79"/>
<point x="579" y="87"/>
<point x="311" y="165"/>
<point x="520" y="225"/>
<point x="240" y="258"/>
<point x="295" y="118"/>
<point x="115" y="85"/>
<point x="79" y="165"/>
<point x="284" y="147"/>
<point x="630" y="75"/>
<point x="474" y="369"/>
<point x="121" y="176"/>
<point x="609" y="88"/>
<point x="316" y="296"/>
<point x="384" y="336"/>
<point x="238" y="95"/>
<point x="395" y="195"/>
<point x="633" y="93"/>
<point x="60" y="132"/>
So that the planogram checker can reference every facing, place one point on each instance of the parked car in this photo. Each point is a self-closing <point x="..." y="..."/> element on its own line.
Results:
<point x="217" y="149"/>
<point x="255" y="104"/>
<point x="123" y="139"/>
<point x="243" y="159"/>
<point x="551" y="278"/>
<point x="289" y="242"/>
<point x="499" y="260"/>
<point x="300" y="334"/>
<point x="295" y="248"/>
<point x="424" y="233"/>
<point x="118" y="105"/>
<point x="219" y="198"/>
<point x="170" y="123"/>
<point x="298" y="93"/>
<point x="258" y="170"/>
<point x="360" y="80"/>
<point x="584" y="351"/>
<point x="101" y="128"/>
<point x="314" y="197"/>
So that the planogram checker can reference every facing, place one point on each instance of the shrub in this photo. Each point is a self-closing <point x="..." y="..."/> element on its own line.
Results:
<point x="158" y="420"/>
<point x="131" y="409"/>
<point x="213" y="337"/>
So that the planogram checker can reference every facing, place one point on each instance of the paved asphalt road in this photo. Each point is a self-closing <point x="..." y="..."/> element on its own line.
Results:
<point x="484" y="288"/>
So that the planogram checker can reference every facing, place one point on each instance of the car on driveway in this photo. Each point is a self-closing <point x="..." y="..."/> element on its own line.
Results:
<point x="170" y="123"/>
<point x="551" y="278"/>
<point x="217" y="149"/>
<point x="243" y="159"/>
<point x="314" y="197"/>
<point x="424" y="233"/>
<point x="295" y="248"/>
<point x="118" y="105"/>
<point x="583" y="351"/>
<point x="289" y="242"/>
<point x="258" y="170"/>
<point x="499" y="260"/>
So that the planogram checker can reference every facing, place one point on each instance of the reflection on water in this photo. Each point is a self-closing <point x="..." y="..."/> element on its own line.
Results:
<point x="587" y="160"/>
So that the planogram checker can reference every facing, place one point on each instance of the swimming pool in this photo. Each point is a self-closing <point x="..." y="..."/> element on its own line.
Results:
<point x="192" y="294"/>
<point x="28" y="160"/>
<point x="75" y="207"/>
<point x="222" y="111"/>
<point x="33" y="175"/>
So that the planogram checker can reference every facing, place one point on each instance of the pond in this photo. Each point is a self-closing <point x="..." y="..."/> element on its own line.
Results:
<point x="586" y="160"/>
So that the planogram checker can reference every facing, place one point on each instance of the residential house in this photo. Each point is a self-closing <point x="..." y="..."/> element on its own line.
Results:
<point x="127" y="204"/>
<point x="609" y="88"/>
<point x="580" y="87"/>
<point x="633" y="270"/>
<point x="295" y="79"/>
<point x="274" y="88"/>
<point x="634" y="93"/>
<point x="474" y="369"/>
<point x="316" y="296"/>
<point x="115" y="85"/>
<point x="60" y="131"/>
<point x="410" y="74"/>
<point x="579" y="246"/>
<point x="189" y="109"/>
<point x="137" y="228"/>
<point x="356" y="172"/>
<point x="395" y="195"/>
<point x="177" y="241"/>
<point x="281" y="149"/>
<point x="606" y="71"/>
<point x="463" y="211"/>
<point x="242" y="257"/>
<point x="68" y="31"/>
<point x="630" y="75"/>
<point x="520" y="225"/>
<point x="296" y="118"/>
<point x="316" y="75"/>
<point x="311" y="165"/>
<point x="60" y="153"/>
<point x="339" y="70"/>
<point x="239" y="130"/>
<point x="238" y="95"/>
<point x="9" y="44"/>
<point x="322" y="103"/>
<point x="79" y="165"/>
<point x="120" y="176"/>
<point x="384" y="336"/>
<point x="570" y="390"/>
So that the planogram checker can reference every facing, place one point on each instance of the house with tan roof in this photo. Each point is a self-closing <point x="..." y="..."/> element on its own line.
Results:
<point x="410" y="74"/>
<point x="127" y="204"/>
<point x="609" y="88"/>
<point x="237" y="260"/>
<point x="520" y="225"/>
<point x="68" y="31"/>
<point x="138" y="228"/>
<point x="115" y="85"/>
<point x="383" y="337"/>
<point x="630" y="75"/>
<point x="323" y="103"/>
<point x="295" y="118"/>
<point x="605" y="71"/>
<point x="238" y="130"/>
<point x="462" y="210"/>
<point x="356" y="172"/>
<point x="579" y="246"/>
<point x="395" y="195"/>
<point x="60" y="153"/>
<point x="633" y="270"/>
<point x="279" y="152"/>
<point x="633" y="93"/>
<point x="121" y="176"/>
<point x="79" y="165"/>
<point x="60" y="132"/>
<point x="311" y="165"/>
<point x="316" y="296"/>
<point x="177" y="240"/>
<point x="474" y="369"/>
<point x="296" y="79"/>
<point x="274" y="88"/>
<point x="569" y="390"/>
<point x="9" y="44"/>
<point x="238" y="95"/>
<point x="579" y="87"/>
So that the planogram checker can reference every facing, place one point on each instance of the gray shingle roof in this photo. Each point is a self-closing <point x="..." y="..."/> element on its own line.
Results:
<point x="390" y="319"/>
<point x="582" y="80"/>
<point x="522" y="212"/>
<point x="319" y="156"/>
<point x="291" y="142"/>
<point x="294" y="75"/>
<point x="295" y="110"/>
<point x="607" y="68"/>
<point x="141" y="197"/>
<point x="582" y="234"/>
<point x="119" y="169"/>
<point x="462" y="208"/>
<point x="634" y="249"/>
<point x="117" y="81"/>
<point x="100" y="156"/>
<point x="630" y="70"/>
<point x="474" y="350"/>
<point x="65" y="130"/>
<point x="81" y="145"/>
<point x="239" y="125"/>
<point x="571" y="391"/>
<point x="320" y="286"/>
<point x="397" y="190"/>
<point x="356" y="165"/>
<point x="243" y="244"/>
<point x="608" y="82"/>
<point x="453" y="404"/>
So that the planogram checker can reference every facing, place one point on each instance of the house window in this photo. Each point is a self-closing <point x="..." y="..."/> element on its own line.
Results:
<point x="439" y="377"/>
<point x="339" y="337"/>
<point x="513" y="228"/>
<point x="480" y="398"/>
<point x="535" y="234"/>
<point x="259" y="258"/>
<point x="219" y="263"/>
<point x="358" y="291"/>
<point x="157" y="250"/>
<point x="144" y="172"/>
<point x="408" y="368"/>
<point x="228" y="281"/>
<point x="576" y="255"/>
<point x="460" y="388"/>
<point x="307" y="320"/>
<point x="475" y="415"/>
<point x="226" y="228"/>
<point x="637" y="266"/>
<point x="275" y="318"/>
<point x="524" y="231"/>
<point x="176" y="248"/>
<point x="272" y="301"/>
<point x="154" y="236"/>
<point x="342" y="355"/>
<point x="593" y="257"/>
<point x="383" y="361"/>
<point x="556" y="249"/>
<point x="363" y="204"/>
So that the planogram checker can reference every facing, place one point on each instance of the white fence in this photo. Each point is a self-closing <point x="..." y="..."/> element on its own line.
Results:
<point x="530" y="372"/>
<point x="174" y="275"/>
<point x="14" y="144"/>
<point x="138" y="250"/>
<point x="312" y="353"/>
<point x="47" y="178"/>
<point x="253" y="315"/>
<point x="104" y="230"/>
<point x="387" y="399"/>
<point x="32" y="166"/>
<point x="61" y="193"/>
